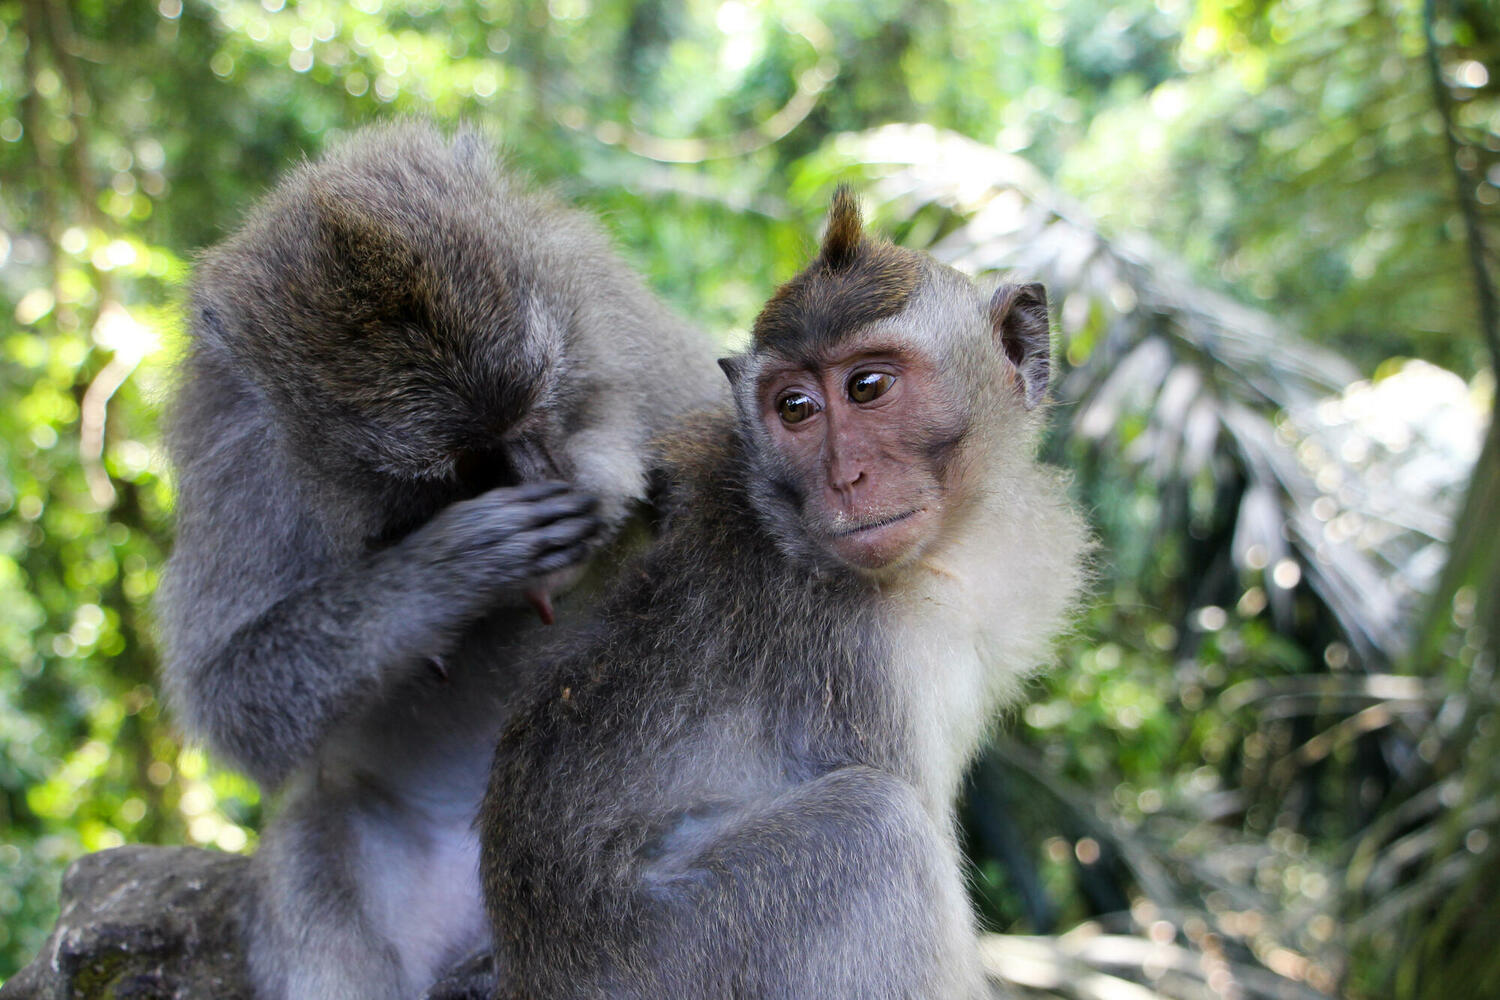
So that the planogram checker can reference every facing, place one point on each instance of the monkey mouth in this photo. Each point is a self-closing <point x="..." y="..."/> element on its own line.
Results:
<point x="879" y="542"/>
<point x="877" y="523"/>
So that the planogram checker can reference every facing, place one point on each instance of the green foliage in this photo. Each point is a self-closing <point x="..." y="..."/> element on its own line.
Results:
<point x="1270" y="752"/>
<point x="1322" y="113"/>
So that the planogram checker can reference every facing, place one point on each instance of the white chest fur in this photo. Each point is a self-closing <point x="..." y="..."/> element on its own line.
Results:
<point x="977" y="617"/>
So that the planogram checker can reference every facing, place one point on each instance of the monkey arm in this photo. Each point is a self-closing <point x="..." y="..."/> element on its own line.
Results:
<point x="265" y="689"/>
<point x="841" y="887"/>
<point x="269" y="683"/>
<point x="274" y="632"/>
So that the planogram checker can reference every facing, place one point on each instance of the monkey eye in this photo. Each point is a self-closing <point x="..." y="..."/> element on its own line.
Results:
<point x="865" y="386"/>
<point x="796" y="407"/>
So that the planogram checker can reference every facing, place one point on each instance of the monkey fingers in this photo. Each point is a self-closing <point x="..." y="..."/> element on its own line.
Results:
<point x="557" y="506"/>
<point x="541" y="527"/>
<point x="571" y="540"/>
<point x="502" y="516"/>
<point x="556" y="533"/>
<point x="561" y="543"/>
<point x="510" y="510"/>
<point x="540" y="490"/>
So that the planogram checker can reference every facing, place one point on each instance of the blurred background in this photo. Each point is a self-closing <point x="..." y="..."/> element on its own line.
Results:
<point x="1268" y="763"/>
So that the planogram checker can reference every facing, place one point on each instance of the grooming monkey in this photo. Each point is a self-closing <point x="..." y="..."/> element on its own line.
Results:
<point x="738" y="780"/>
<point x="393" y="368"/>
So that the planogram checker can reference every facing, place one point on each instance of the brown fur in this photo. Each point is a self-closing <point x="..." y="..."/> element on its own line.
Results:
<point x="854" y="281"/>
<point x="844" y="232"/>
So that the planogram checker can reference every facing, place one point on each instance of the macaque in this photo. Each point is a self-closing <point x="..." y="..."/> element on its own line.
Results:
<point x="416" y="401"/>
<point x="738" y="780"/>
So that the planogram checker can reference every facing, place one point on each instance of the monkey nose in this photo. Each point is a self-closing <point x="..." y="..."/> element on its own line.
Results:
<point x="844" y="483"/>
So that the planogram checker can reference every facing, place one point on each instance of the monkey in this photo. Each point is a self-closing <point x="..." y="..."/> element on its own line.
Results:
<point x="738" y="778"/>
<point x="416" y="397"/>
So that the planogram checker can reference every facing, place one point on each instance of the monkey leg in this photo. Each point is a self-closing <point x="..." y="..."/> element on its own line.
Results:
<point x="358" y="897"/>
<point x="843" y="887"/>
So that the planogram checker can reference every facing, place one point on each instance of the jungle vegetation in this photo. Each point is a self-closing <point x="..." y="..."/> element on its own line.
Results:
<point x="1268" y="761"/>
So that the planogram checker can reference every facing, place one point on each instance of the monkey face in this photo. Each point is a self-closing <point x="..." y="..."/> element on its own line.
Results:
<point x="874" y="378"/>
<point x="864" y="439"/>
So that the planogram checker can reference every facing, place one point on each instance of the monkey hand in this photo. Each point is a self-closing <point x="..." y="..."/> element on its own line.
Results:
<point x="506" y="538"/>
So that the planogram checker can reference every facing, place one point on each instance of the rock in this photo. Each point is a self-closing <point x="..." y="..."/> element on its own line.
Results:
<point x="143" y="923"/>
<point x="163" y="923"/>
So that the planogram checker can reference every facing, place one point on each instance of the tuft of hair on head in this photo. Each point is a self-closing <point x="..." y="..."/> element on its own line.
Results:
<point x="853" y="281"/>
<point x="845" y="230"/>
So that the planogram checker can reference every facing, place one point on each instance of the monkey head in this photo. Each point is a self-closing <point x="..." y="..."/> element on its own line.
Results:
<point x="876" y="378"/>
<point x="372" y="300"/>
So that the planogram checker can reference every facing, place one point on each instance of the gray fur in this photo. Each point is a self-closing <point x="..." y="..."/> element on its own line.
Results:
<point x="387" y="366"/>
<point x="738" y="782"/>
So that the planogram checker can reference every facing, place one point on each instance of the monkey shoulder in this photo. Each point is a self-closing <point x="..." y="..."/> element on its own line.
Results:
<point x="241" y="515"/>
<point x="704" y="635"/>
<point x="703" y="471"/>
<point x="216" y="413"/>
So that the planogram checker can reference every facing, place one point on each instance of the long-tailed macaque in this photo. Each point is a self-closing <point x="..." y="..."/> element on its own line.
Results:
<point x="738" y="780"/>
<point x="393" y="369"/>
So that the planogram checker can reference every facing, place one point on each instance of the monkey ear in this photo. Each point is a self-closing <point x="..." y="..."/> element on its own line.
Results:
<point x="845" y="229"/>
<point x="733" y="367"/>
<point x="469" y="146"/>
<point x="1018" y="320"/>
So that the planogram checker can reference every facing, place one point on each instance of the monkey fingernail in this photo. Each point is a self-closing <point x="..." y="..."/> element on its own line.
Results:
<point x="541" y="601"/>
